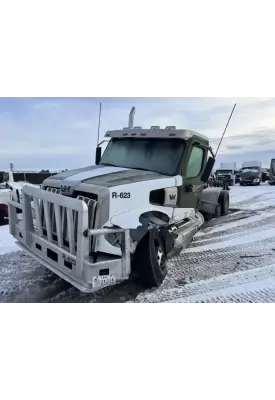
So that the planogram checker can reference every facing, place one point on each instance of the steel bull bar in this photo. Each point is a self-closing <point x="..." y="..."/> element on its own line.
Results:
<point x="55" y="231"/>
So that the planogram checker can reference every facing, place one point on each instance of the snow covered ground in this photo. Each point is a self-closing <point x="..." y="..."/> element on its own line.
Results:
<point x="232" y="259"/>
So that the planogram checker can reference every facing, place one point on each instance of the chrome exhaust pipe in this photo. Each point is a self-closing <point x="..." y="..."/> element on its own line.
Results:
<point x="185" y="235"/>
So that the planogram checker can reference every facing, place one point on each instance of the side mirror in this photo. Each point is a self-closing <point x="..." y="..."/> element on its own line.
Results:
<point x="208" y="169"/>
<point x="97" y="155"/>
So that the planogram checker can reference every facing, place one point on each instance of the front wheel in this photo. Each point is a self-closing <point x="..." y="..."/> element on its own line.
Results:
<point x="150" y="260"/>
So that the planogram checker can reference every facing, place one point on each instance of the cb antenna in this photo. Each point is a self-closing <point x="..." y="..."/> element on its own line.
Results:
<point x="98" y="129"/>
<point x="225" y="129"/>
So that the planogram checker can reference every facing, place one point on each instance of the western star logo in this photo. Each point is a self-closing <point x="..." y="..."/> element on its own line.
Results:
<point x="172" y="196"/>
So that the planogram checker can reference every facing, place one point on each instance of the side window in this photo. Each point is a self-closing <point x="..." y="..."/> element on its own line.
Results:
<point x="195" y="162"/>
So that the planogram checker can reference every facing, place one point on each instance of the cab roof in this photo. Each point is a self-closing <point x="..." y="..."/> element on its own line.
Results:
<point x="156" y="132"/>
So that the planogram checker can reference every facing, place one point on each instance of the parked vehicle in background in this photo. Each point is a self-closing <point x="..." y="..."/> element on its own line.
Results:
<point x="226" y="173"/>
<point x="272" y="172"/>
<point x="237" y="176"/>
<point x="251" y="173"/>
<point x="265" y="174"/>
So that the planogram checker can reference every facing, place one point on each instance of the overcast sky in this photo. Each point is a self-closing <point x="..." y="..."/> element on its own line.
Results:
<point x="59" y="133"/>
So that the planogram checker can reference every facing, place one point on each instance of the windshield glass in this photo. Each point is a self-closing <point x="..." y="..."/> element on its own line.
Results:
<point x="252" y="169"/>
<point x="158" y="155"/>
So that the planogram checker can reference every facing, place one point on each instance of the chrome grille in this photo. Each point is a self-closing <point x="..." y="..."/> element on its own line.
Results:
<point x="69" y="220"/>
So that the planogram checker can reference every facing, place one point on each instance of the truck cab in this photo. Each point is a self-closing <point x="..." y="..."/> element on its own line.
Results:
<point x="251" y="173"/>
<point x="227" y="173"/>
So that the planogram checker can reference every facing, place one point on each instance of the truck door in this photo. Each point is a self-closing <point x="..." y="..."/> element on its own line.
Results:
<point x="190" y="192"/>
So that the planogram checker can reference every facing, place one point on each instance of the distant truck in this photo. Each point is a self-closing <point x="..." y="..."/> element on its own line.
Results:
<point x="227" y="173"/>
<point x="251" y="173"/>
<point x="272" y="172"/>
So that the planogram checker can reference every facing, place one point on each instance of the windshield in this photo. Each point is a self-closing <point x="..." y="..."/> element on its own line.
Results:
<point x="157" y="155"/>
<point x="251" y="169"/>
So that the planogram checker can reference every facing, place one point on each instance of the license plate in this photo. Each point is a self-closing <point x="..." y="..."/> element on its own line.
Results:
<point x="104" y="280"/>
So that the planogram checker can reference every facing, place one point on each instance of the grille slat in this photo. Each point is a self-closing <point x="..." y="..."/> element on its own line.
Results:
<point x="58" y="225"/>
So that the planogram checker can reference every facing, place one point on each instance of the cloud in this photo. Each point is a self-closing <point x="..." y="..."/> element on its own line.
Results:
<point x="62" y="132"/>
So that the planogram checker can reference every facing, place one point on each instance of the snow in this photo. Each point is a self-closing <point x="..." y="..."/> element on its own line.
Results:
<point x="240" y="222"/>
<point x="230" y="260"/>
<point x="258" y="284"/>
<point x="7" y="241"/>
<point x="234" y="241"/>
<point x="252" y="197"/>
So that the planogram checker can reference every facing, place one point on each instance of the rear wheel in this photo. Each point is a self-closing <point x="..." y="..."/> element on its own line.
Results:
<point x="217" y="211"/>
<point x="150" y="260"/>
<point x="224" y="202"/>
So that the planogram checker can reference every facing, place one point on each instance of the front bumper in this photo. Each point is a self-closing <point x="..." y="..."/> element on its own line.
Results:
<point x="70" y="259"/>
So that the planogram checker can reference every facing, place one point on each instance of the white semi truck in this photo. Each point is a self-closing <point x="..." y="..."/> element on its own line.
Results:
<point x="140" y="204"/>
<point x="227" y="173"/>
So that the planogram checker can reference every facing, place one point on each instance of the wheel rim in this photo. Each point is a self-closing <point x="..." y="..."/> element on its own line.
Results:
<point x="159" y="255"/>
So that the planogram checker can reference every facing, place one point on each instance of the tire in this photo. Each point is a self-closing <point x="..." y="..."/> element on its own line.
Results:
<point x="150" y="260"/>
<point x="224" y="202"/>
<point x="218" y="211"/>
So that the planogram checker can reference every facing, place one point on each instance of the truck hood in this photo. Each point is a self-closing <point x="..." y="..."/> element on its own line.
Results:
<point x="102" y="175"/>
